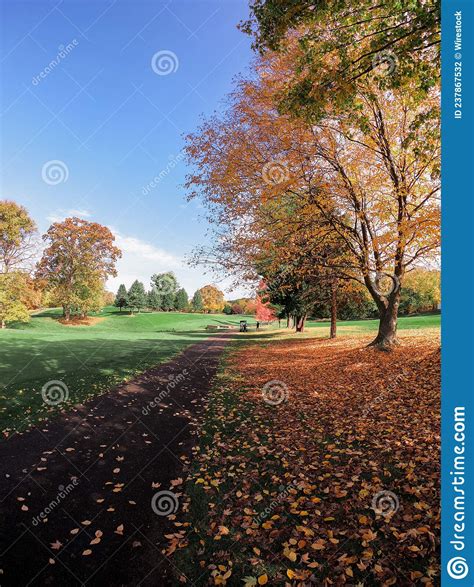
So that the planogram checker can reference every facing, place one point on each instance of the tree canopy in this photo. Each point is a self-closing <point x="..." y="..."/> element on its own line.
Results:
<point x="212" y="298"/>
<point x="121" y="299"/>
<point x="355" y="195"/>
<point x="341" y="44"/>
<point x="137" y="299"/>
<point x="17" y="231"/>
<point x="79" y="257"/>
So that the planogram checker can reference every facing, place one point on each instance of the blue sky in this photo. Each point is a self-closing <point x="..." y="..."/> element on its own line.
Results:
<point x="95" y="99"/>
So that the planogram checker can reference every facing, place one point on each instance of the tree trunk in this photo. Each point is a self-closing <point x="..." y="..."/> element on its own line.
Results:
<point x="387" y="306"/>
<point x="3" y="324"/>
<point x="387" y="335"/>
<point x="299" y="323"/>
<point x="66" y="313"/>
<point x="333" y="329"/>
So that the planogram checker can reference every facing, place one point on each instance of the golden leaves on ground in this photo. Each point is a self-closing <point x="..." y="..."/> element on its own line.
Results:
<point x="338" y="484"/>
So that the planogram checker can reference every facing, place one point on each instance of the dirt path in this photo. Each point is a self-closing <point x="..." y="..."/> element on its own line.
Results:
<point x="91" y="476"/>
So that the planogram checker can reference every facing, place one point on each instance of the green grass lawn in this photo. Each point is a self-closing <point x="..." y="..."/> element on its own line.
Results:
<point x="90" y="359"/>
<point x="367" y="326"/>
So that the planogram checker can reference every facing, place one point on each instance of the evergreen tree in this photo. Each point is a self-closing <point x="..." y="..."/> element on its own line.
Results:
<point x="197" y="302"/>
<point x="136" y="296"/>
<point x="166" y="286"/>
<point x="121" y="298"/>
<point x="153" y="299"/>
<point x="181" y="300"/>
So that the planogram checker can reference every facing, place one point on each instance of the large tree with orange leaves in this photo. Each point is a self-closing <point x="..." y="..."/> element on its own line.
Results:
<point x="368" y="177"/>
<point x="79" y="257"/>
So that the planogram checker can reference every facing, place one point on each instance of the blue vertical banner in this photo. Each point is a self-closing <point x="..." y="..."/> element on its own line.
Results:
<point x="457" y="405"/>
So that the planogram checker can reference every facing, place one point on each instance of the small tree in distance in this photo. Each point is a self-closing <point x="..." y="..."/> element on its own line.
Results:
<point x="196" y="302"/>
<point x="153" y="299"/>
<point x="181" y="300"/>
<point x="166" y="286"/>
<point x="136" y="296"/>
<point x="121" y="298"/>
<point x="264" y="312"/>
<point x="212" y="299"/>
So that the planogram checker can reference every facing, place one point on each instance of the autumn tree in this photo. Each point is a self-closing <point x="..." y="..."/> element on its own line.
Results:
<point x="212" y="299"/>
<point x="17" y="233"/>
<point x="78" y="257"/>
<point x="136" y="297"/>
<point x="249" y="305"/>
<point x="196" y="302"/>
<point x="368" y="178"/>
<point x="13" y="286"/>
<point x="236" y="308"/>
<point x="109" y="298"/>
<point x="89" y="295"/>
<point x="421" y="292"/>
<point x="17" y="249"/>
<point x="340" y="44"/>
<point x="264" y="312"/>
<point x="121" y="297"/>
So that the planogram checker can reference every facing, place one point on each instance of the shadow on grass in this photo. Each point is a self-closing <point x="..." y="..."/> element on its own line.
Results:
<point x="86" y="367"/>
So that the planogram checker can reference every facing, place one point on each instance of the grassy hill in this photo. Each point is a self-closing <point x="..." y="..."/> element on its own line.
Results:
<point x="91" y="359"/>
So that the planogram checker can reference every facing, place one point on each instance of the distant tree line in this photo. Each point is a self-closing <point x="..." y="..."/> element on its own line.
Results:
<point x="166" y="295"/>
<point x="80" y="255"/>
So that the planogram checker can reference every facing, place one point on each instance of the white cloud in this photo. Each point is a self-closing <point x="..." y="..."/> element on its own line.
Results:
<point x="82" y="213"/>
<point x="140" y="260"/>
<point x="60" y="215"/>
<point x="132" y="246"/>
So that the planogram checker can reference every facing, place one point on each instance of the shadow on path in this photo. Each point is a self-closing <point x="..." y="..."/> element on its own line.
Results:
<point x="90" y="475"/>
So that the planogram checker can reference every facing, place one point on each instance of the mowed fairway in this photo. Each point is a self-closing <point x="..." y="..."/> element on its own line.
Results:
<point x="91" y="359"/>
<point x="88" y="359"/>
